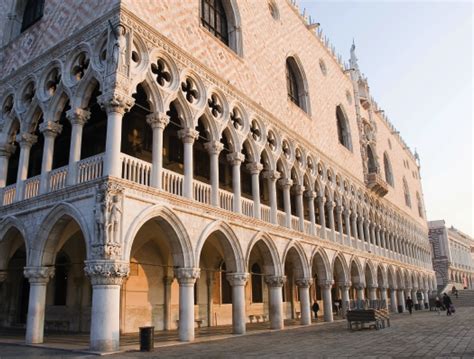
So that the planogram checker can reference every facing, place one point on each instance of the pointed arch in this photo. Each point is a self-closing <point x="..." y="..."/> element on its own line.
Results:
<point x="297" y="84"/>
<point x="295" y="253"/>
<point x="272" y="263"/>
<point x="356" y="271"/>
<point x="343" y="128"/>
<point x="340" y="269"/>
<point x="321" y="265"/>
<point x="388" y="169"/>
<point x="406" y="192"/>
<point x="11" y="229"/>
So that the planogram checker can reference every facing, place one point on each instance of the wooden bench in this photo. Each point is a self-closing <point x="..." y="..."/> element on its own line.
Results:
<point x="360" y="317"/>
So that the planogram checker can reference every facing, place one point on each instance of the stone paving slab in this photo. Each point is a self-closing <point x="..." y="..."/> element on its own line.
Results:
<point x="423" y="335"/>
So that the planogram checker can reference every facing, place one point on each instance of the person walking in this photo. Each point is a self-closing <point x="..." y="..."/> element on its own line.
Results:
<point x="409" y="304"/>
<point x="315" y="308"/>
<point x="438" y="305"/>
<point x="447" y="303"/>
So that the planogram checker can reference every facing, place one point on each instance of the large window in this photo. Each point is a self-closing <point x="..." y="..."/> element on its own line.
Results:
<point x="343" y="131"/>
<point x="406" y="192"/>
<point x="388" y="169"/>
<point x="371" y="163"/>
<point x="295" y="84"/>
<point x="33" y="12"/>
<point x="214" y="19"/>
<point x="419" y="204"/>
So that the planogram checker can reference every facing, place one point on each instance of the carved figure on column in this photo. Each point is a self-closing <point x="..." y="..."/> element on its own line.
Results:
<point x="119" y="49"/>
<point x="108" y="214"/>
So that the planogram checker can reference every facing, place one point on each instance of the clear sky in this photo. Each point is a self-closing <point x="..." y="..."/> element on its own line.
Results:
<point x="418" y="57"/>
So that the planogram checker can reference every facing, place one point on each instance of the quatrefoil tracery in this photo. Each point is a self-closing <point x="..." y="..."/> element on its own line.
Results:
<point x="236" y="119"/>
<point x="189" y="88"/>
<point x="215" y="106"/>
<point x="80" y="66"/>
<point x="162" y="72"/>
<point x="255" y="131"/>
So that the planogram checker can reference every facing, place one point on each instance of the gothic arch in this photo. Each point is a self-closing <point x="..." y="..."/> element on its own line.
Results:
<point x="295" y="251"/>
<point x="265" y="243"/>
<point x="340" y="262"/>
<point x="10" y="227"/>
<point x="320" y="261"/>
<point x="297" y="83"/>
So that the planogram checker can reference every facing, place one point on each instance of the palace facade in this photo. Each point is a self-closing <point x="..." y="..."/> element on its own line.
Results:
<point x="208" y="162"/>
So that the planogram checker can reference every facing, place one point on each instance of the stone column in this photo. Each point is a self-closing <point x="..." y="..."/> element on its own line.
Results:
<point x="238" y="281"/>
<point x="339" y="224"/>
<point x="426" y="297"/>
<point x="186" y="279"/>
<point x="401" y="298"/>
<point x="347" y="221"/>
<point x="157" y="122"/>
<point x="210" y="281"/>
<point x="77" y="117"/>
<point x="354" y="225"/>
<point x="214" y="148"/>
<point x="372" y="292"/>
<point x="106" y="278"/>
<point x="360" y="292"/>
<point x="393" y="299"/>
<point x="116" y="105"/>
<point x="5" y="153"/>
<point x="345" y="286"/>
<point x="50" y="130"/>
<point x="305" y="304"/>
<point x="326" y="286"/>
<point x="413" y="295"/>
<point x="38" y="278"/>
<point x="322" y="218"/>
<point x="361" y="231"/>
<point x="298" y="191"/>
<point x="286" y="183"/>
<point x="310" y="195"/>
<point x="275" y="300"/>
<point x="383" y="295"/>
<point x="272" y="177"/>
<point x="372" y="239"/>
<point x="167" y="282"/>
<point x="330" y="209"/>
<point x="255" y="168"/>
<point x="25" y="140"/>
<point x="188" y="136"/>
<point x="235" y="160"/>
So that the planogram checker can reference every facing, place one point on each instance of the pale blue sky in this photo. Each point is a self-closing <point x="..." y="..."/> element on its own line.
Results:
<point x="418" y="57"/>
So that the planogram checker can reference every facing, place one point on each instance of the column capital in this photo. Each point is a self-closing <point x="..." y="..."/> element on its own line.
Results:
<point x="214" y="147"/>
<point x="236" y="158"/>
<point x="271" y="175"/>
<point x="106" y="272"/>
<point x="330" y="204"/>
<point x="320" y="200"/>
<point x="326" y="284"/>
<point x="338" y="209"/>
<point x="255" y="168"/>
<point x="344" y="285"/>
<point x="78" y="116"/>
<point x="275" y="280"/>
<point x="187" y="276"/>
<point x="310" y="194"/>
<point x="26" y="139"/>
<point x="347" y="212"/>
<point x="372" y="286"/>
<point x="298" y="189"/>
<point x="115" y="102"/>
<point x="39" y="274"/>
<point x="304" y="282"/>
<point x="359" y="285"/>
<point x="286" y="183"/>
<point x="7" y="150"/>
<point x="188" y="135"/>
<point x="158" y="120"/>
<point x="167" y="280"/>
<point x="237" y="279"/>
<point x="50" y="128"/>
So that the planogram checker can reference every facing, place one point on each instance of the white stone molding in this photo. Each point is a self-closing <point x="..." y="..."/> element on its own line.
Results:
<point x="106" y="272"/>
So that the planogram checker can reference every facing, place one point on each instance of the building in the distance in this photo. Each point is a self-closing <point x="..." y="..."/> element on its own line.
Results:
<point x="170" y="162"/>
<point x="452" y="252"/>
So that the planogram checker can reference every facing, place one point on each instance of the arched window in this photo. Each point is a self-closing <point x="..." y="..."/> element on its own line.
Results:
<point x="221" y="18"/>
<point x="419" y="204"/>
<point x="257" y="292"/>
<point x="371" y="164"/>
<point x="406" y="192"/>
<point x="295" y="84"/>
<point x="343" y="131"/>
<point x="388" y="169"/>
<point x="33" y="12"/>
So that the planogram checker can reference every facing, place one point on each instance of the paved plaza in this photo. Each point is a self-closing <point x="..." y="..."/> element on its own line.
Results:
<point x="422" y="335"/>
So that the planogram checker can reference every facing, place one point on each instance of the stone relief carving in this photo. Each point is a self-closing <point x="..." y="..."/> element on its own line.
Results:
<point x="108" y="215"/>
<point x="39" y="274"/>
<point x="106" y="272"/>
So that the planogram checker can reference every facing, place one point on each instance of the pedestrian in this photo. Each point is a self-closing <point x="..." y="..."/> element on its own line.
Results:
<point x="447" y="303"/>
<point x="409" y="304"/>
<point x="315" y="309"/>
<point x="438" y="305"/>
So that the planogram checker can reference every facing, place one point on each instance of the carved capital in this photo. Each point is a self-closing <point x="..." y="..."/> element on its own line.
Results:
<point x="298" y="189"/>
<point x="214" y="147"/>
<point x="330" y="204"/>
<point x="275" y="280"/>
<point x="304" y="282"/>
<point x="344" y="285"/>
<point x="338" y="209"/>
<point x="116" y="102"/>
<point x="320" y="200"/>
<point x="7" y="150"/>
<point x="237" y="279"/>
<point x="271" y="175"/>
<point x="50" y="128"/>
<point x="235" y="158"/>
<point x="310" y="195"/>
<point x="187" y="276"/>
<point x="168" y="280"/>
<point x="325" y="284"/>
<point x="39" y="274"/>
<point x="254" y="168"/>
<point x="359" y="286"/>
<point x="158" y="120"/>
<point x="188" y="135"/>
<point x="286" y="183"/>
<point x="26" y="139"/>
<point x="105" y="272"/>
<point x="78" y="116"/>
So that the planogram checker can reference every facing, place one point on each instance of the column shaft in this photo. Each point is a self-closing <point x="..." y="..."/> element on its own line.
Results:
<point x="327" y="302"/>
<point x="275" y="301"/>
